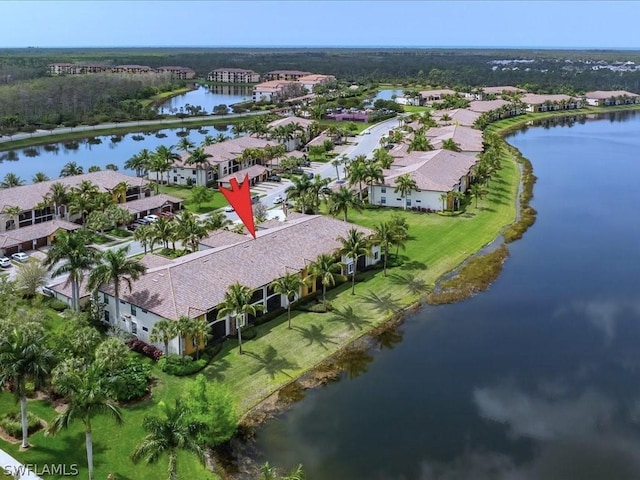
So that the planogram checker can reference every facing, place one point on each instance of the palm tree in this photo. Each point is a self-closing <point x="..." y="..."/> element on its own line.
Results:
<point x="86" y="393"/>
<point x="323" y="268"/>
<point x="342" y="200"/>
<point x="164" y="230"/>
<point x="216" y="221"/>
<point x="404" y="186"/>
<point x="69" y="254"/>
<point x="185" y="145"/>
<point x="299" y="191"/>
<point x="172" y="431"/>
<point x="139" y="162"/>
<point x="58" y="194"/>
<point x="289" y="286"/>
<point x="198" y="333"/>
<point x="443" y="198"/>
<point x="24" y="357"/>
<point x="383" y="157"/>
<point x="354" y="245"/>
<point x="165" y="158"/>
<point x="336" y="162"/>
<point x="237" y="302"/>
<point x="198" y="157"/>
<point x="477" y="191"/>
<point x="357" y="172"/>
<point x="384" y="236"/>
<point x="190" y="229"/>
<point x="400" y="230"/>
<point x="11" y="180"/>
<point x="163" y="331"/>
<point x="144" y="235"/>
<point x="419" y="143"/>
<point x="373" y="173"/>
<point x="39" y="177"/>
<point x="450" y="144"/>
<point x="115" y="268"/>
<point x="13" y="211"/>
<point x="70" y="169"/>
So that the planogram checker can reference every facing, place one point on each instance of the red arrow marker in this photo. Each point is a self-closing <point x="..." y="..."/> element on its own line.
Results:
<point x="239" y="197"/>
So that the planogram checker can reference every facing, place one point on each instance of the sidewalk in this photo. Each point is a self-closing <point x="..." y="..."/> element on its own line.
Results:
<point x="12" y="466"/>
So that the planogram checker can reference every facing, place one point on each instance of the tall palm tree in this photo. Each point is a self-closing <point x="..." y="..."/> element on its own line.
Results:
<point x="419" y="143"/>
<point x="165" y="157"/>
<point x="174" y="430"/>
<point x="86" y="393"/>
<point x="299" y="191"/>
<point x="400" y="228"/>
<point x="24" y="357"/>
<point x="237" y="303"/>
<point x="164" y="230"/>
<point x="70" y="169"/>
<point x="163" y="331"/>
<point x="383" y="157"/>
<point x="477" y="191"/>
<point x="216" y="221"/>
<point x="341" y="200"/>
<point x="185" y="145"/>
<point x="384" y="236"/>
<point x="11" y="180"/>
<point x="198" y="333"/>
<point x="336" y="162"/>
<point x="405" y="184"/>
<point x="139" y="162"/>
<point x="115" y="268"/>
<point x="443" y="198"/>
<point x="39" y="177"/>
<point x="69" y="254"/>
<point x="190" y="229"/>
<point x="144" y="236"/>
<point x="58" y="194"/>
<point x="354" y="245"/>
<point x="199" y="158"/>
<point x="450" y="144"/>
<point x="356" y="172"/>
<point x="289" y="286"/>
<point x="373" y="173"/>
<point x="323" y="268"/>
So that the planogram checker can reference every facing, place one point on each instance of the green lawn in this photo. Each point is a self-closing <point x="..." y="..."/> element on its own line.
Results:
<point x="277" y="355"/>
<point x="218" y="200"/>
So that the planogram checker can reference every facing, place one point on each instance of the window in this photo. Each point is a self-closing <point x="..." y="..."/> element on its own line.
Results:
<point x="418" y="201"/>
<point x="175" y="179"/>
<point x="175" y="171"/>
<point x="106" y="316"/>
<point x="134" y="327"/>
<point x="122" y="302"/>
<point x="145" y="329"/>
<point x="105" y="298"/>
<point x="143" y="310"/>
<point x="383" y="190"/>
<point x="375" y="255"/>
<point x="408" y="202"/>
<point x="350" y="268"/>
<point x="133" y="310"/>
<point x="383" y="200"/>
<point x="193" y="172"/>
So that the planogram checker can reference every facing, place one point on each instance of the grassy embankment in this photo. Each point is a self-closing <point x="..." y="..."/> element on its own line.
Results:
<point x="277" y="355"/>
<point x="164" y="96"/>
<point x="217" y="201"/>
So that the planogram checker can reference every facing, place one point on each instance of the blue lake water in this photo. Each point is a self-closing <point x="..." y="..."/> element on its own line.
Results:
<point x="537" y="378"/>
<point x="115" y="149"/>
<point x="208" y="97"/>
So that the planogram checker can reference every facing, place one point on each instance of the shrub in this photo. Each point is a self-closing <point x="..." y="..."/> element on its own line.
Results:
<point x="11" y="423"/>
<point x="176" y="365"/>
<point x="132" y="381"/>
<point x="58" y="305"/>
<point x="150" y="351"/>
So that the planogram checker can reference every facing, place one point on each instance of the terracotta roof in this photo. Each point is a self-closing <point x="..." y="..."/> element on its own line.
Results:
<point x="431" y="93"/>
<point x="461" y="116"/>
<point x="437" y="170"/>
<point x="150" y="203"/>
<point x="28" y="196"/>
<point x="303" y="122"/>
<point x="222" y="152"/>
<point x="272" y="85"/>
<point x="482" y="106"/>
<point x="223" y="238"/>
<point x="32" y="232"/>
<point x="604" y="94"/>
<point x="197" y="282"/>
<point x="535" y="99"/>
<point x="289" y="72"/>
<point x="501" y="89"/>
<point x="469" y="139"/>
<point x="253" y="172"/>
<point x="235" y="70"/>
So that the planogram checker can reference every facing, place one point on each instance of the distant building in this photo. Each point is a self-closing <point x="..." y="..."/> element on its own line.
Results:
<point x="233" y="75"/>
<point x="601" y="98"/>
<point x="310" y="81"/>
<point x="181" y="73"/>
<point x="275" y="91"/>
<point x="288" y="75"/>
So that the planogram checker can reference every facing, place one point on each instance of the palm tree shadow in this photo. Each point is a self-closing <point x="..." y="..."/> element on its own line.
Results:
<point x="271" y="363"/>
<point x="314" y="334"/>
<point x="416" y="285"/>
<point x="215" y="370"/>
<point x="414" y="265"/>
<point x="347" y="316"/>
<point x="383" y="303"/>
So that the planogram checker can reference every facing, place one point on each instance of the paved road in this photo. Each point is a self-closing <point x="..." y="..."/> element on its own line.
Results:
<point x="106" y="126"/>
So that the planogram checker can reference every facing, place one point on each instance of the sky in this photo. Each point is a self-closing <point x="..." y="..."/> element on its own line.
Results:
<point x="320" y="23"/>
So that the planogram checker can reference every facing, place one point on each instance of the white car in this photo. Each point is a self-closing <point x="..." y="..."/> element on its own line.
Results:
<point x="278" y="200"/>
<point x="5" y="262"/>
<point x="229" y="209"/>
<point x="151" y="218"/>
<point x="20" y="257"/>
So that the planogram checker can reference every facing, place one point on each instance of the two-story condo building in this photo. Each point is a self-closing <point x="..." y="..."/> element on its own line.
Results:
<point x="233" y="75"/>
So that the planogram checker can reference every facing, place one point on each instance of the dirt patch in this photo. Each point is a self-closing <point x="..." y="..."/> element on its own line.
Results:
<point x="8" y="438"/>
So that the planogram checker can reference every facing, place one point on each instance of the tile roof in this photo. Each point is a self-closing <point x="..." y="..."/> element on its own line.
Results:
<point x="223" y="238"/>
<point x="150" y="203"/>
<point x="501" y="89"/>
<point x="604" y="94"/>
<point x="15" y="237"/>
<point x="437" y="170"/>
<point x="469" y="139"/>
<point x="535" y="99"/>
<point x="431" y="93"/>
<point x="253" y="171"/>
<point x="222" y="152"/>
<point x="303" y="122"/>
<point x="28" y="196"/>
<point x="482" y="106"/>
<point x="460" y="116"/>
<point x="197" y="282"/>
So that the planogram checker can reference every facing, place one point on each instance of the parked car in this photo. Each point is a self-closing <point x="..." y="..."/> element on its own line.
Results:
<point x="229" y="209"/>
<point x="389" y="146"/>
<point x="167" y="215"/>
<point x="274" y="178"/>
<point x="151" y="218"/>
<point x="297" y="171"/>
<point x="309" y="175"/>
<point x="305" y="163"/>
<point x="47" y="290"/>
<point x="255" y="199"/>
<point x="325" y="190"/>
<point x="5" y="262"/>
<point x="20" y="257"/>
<point x="278" y="200"/>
